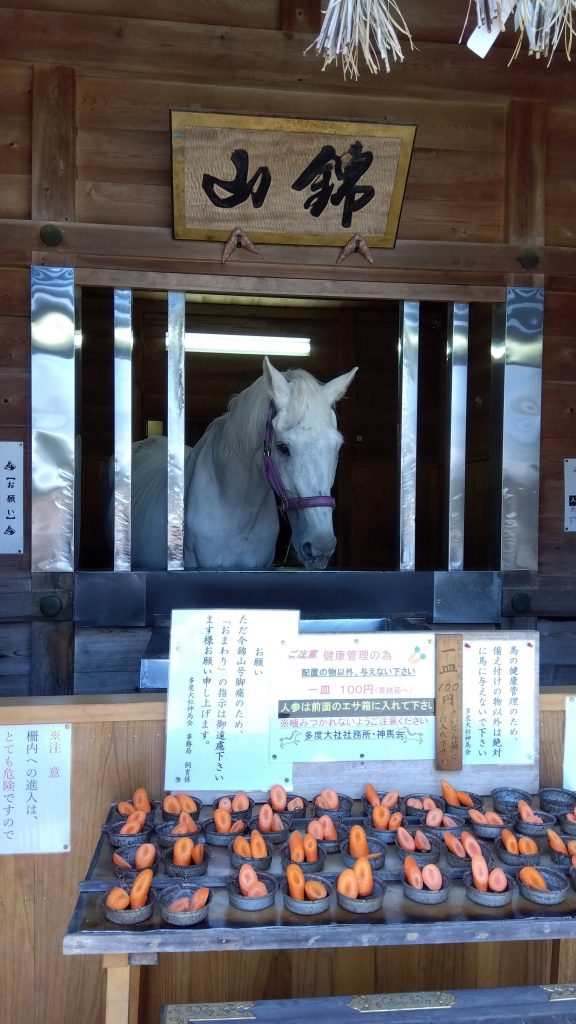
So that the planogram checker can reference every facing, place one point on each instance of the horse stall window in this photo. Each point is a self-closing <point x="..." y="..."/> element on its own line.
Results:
<point x="368" y="481"/>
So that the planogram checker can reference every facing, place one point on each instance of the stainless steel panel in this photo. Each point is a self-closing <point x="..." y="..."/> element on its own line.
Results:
<point x="53" y="418"/>
<point x="123" y="342"/>
<point x="408" y="431"/>
<point x="457" y="390"/>
<point x="521" y="428"/>
<point x="467" y="597"/>
<point x="176" y="425"/>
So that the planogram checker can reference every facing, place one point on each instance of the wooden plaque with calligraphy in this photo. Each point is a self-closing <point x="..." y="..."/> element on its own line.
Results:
<point x="288" y="180"/>
<point x="448" y="703"/>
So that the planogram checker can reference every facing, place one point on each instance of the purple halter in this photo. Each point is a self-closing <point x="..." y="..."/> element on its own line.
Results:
<point x="272" y="478"/>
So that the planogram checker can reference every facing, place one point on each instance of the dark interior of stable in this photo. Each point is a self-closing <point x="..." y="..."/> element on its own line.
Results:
<point x="343" y="334"/>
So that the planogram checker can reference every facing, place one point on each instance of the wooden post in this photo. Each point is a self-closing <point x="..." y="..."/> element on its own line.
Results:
<point x="122" y="989"/>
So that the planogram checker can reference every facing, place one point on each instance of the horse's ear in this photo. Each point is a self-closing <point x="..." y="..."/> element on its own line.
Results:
<point x="334" y="389"/>
<point x="276" y="383"/>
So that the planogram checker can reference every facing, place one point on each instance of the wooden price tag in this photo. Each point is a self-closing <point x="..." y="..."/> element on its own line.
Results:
<point x="448" y="702"/>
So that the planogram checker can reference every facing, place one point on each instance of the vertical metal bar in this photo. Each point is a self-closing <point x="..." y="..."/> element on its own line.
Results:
<point x="457" y="391"/>
<point x="53" y="418"/>
<point x="521" y="428"/>
<point x="408" y="430"/>
<point x="123" y="341"/>
<point x="176" y="427"/>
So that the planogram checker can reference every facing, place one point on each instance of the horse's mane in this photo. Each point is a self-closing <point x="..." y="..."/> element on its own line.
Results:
<point x="242" y="426"/>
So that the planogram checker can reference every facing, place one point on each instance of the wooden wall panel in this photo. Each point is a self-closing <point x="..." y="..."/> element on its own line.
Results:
<point x="54" y="143"/>
<point x="15" y="140"/>
<point x="560" y="183"/>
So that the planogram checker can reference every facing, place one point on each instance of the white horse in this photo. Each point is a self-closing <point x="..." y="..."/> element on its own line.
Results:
<point x="279" y="434"/>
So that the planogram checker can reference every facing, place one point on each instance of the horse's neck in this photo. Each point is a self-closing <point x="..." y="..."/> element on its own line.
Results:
<point x="232" y="473"/>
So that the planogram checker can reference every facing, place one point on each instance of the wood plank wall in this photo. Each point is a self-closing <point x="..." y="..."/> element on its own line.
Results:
<point x="119" y="745"/>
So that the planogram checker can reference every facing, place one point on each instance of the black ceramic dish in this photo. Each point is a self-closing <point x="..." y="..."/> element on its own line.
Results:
<point x="343" y="810"/>
<point x="376" y="850"/>
<point x="181" y="918"/>
<point x="307" y="908"/>
<point x="556" y="801"/>
<point x="252" y="903"/>
<point x="166" y="837"/>
<point x="489" y="899"/>
<point x="431" y="856"/>
<point x="505" y="799"/>
<point x="557" y="890"/>
<point x="185" y="871"/>
<point x="363" y="904"/>
<point x="244" y="814"/>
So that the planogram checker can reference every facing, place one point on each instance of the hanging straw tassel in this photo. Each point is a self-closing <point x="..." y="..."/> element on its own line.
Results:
<point x="369" y="27"/>
<point x="544" y="23"/>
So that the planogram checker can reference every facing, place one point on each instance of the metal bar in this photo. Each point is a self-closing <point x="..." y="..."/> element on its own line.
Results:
<point x="123" y="341"/>
<point x="53" y="418"/>
<point x="457" y="390"/>
<point x="176" y="427"/>
<point x="521" y="428"/>
<point x="408" y="431"/>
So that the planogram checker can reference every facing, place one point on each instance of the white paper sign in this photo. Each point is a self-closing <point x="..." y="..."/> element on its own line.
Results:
<point x="223" y="665"/>
<point x="499" y="699"/>
<point x="569" y="495"/>
<point x="35" y="788"/>
<point x="353" y="696"/>
<point x="570" y="744"/>
<point x="483" y="37"/>
<point x="11" y="498"/>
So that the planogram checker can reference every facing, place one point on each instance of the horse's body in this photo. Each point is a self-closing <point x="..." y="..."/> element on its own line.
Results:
<point x="231" y="519"/>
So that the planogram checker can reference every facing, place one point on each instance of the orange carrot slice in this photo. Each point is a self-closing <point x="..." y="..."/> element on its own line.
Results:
<point x="371" y="795"/>
<point x="257" y="890"/>
<point x="470" y="844"/>
<point x="125" y="808"/>
<point x="497" y="881"/>
<point x="278" y="798"/>
<point x="381" y="817"/>
<point x="527" y="846"/>
<point x="180" y="906"/>
<point x="241" y="847"/>
<point x="413" y="873"/>
<point x="295" y="881"/>
<point x="421" y="841"/>
<point x="141" y="800"/>
<point x="265" y="815"/>
<point x="171" y="804"/>
<point x="118" y="899"/>
<point x="492" y="818"/>
<point x="434" y="817"/>
<point x="258" y="846"/>
<point x="222" y="820"/>
<point x="182" y="851"/>
<point x="310" y="844"/>
<point x="197" y="853"/>
<point x="390" y="799"/>
<point x="225" y="803"/>
<point x="432" y="877"/>
<point x="185" y="824"/>
<point x="396" y="820"/>
<point x="199" y="898"/>
<point x="247" y="877"/>
<point x="145" y="856"/>
<point x="364" y="877"/>
<point x="509" y="841"/>
<point x="121" y="861"/>
<point x="314" y="890"/>
<point x="524" y="810"/>
<point x="296" y="847"/>
<point x="464" y="798"/>
<point x="187" y="803"/>
<point x="314" y="828"/>
<point x="404" y="839"/>
<point x="358" y="842"/>
<point x="531" y="876"/>
<point x="477" y="817"/>
<point x="556" y="842"/>
<point x="347" y="884"/>
<point x="454" y="845"/>
<point x="328" y="827"/>
<point x="480" y="873"/>
<point x="449" y="793"/>
<point x="240" y="802"/>
<point x="295" y="804"/>
<point x="140" y="889"/>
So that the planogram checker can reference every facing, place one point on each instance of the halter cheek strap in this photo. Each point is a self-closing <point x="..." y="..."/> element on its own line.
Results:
<point x="273" y="479"/>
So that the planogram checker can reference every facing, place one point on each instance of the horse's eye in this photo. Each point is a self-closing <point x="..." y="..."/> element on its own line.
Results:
<point x="283" y="448"/>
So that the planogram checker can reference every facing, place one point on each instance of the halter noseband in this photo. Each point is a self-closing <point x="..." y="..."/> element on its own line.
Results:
<point x="272" y="478"/>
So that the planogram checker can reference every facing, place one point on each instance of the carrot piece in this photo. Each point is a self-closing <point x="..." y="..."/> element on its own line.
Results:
<point x="421" y="841"/>
<point x="328" y="827"/>
<point x="556" y="842"/>
<point x="241" y="847"/>
<point x="480" y="873"/>
<point x="187" y="803"/>
<point x="574" y="860"/>
<point x="120" y="861"/>
<point x="314" y="828"/>
<point x="258" y="846"/>
<point x="347" y="884"/>
<point x="371" y="795"/>
<point x="171" y="804"/>
<point x="296" y="847"/>
<point x="449" y="793"/>
<point x="295" y="804"/>
<point x="197" y="853"/>
<point x="140" y="889"/>
<point x="454" y="845"/>
<point x="357" y="842"/>
<point x="527" y="846"/>
<point x="125" y="808"/>
<point x="381" y="817"/>
<point x="509" y="841"/>
<point x="225" y="803"/>
<point x="390" y="799"/>
<point x="141" y="800"/>
<point x="414" y="803"/>
<point x="278" y="798"/>
<point x="238" y="826"/>
<point x="314" y="890"/>
<point x="571" y="847"/>
<point x="396" y="820"/>
<point x="247" y="877"/>
<point x="145" y="856"/>
<point x="404" y="839"/>
<point x="328" y="800"/>
<point x="199" y="898"/>
<point x="364" y="877"/>
<point x="310" y="844"/>
<point x="265" y="815"/>
<point x="295" y="881"/>
<point x="118" y="899"/>
<point x="134" y="824"/>
<point x="428" y="803"/>
<point x="525" y="811"/>
<point x="477" y="817"/>
<point x="185" y="824"/>
<point x="434" y="817"/>
<point x="257" y="890"/>
<point x="432" y="877"/>
<point x="240" y="801"/>
<point x="448" y="821"/>
<point x="497" y="881"/>
<point x="531" y="876"/>
<point x="182" y="851"/>
<point x="413" y="873"/>
<point x="222" y="820"/>
<point x="492" y="818"/>
<point x="277" y="823"/>
<point x="464" y="798"/>
<point x="180" y="906"/>
<point x="470" y="844"/>
<point x="571" y="816"/>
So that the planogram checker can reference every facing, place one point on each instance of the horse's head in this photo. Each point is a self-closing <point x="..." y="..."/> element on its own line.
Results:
<point x="304" y="449"/>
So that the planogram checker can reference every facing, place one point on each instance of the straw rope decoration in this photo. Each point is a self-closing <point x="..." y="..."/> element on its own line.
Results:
<point x="544" y="23"/>
<point x="367" y="27"/>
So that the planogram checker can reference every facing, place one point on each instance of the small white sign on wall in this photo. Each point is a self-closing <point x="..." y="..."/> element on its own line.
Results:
<point x="11" y="498"/>
<point x="570" y="495"/>
<point x="570" y="744"/>
<point x="35" y="808"/>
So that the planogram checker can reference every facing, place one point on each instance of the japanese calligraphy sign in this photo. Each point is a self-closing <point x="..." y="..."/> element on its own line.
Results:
<point x="354" y="696"/>
<point x="35" y="814"/>
<point x="448" y="703"/>
<point x="500" y="699"/>
<point x="223" y="665"/>
<point x="11" y="498"/>
<point x="288" y="180"/>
